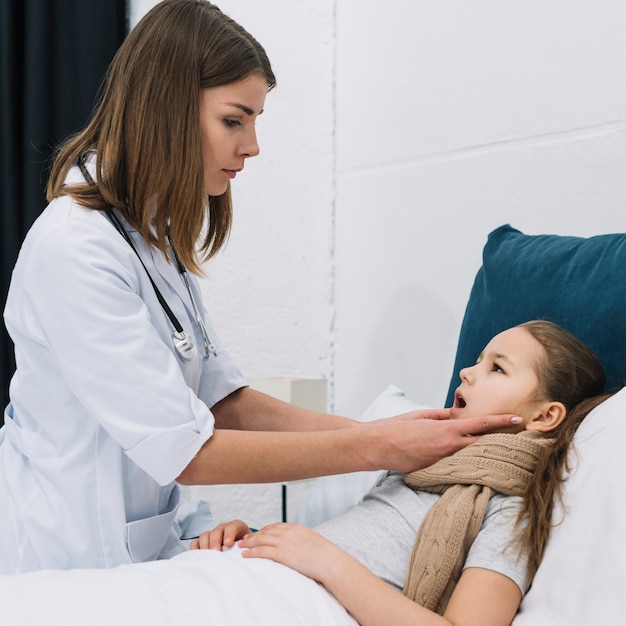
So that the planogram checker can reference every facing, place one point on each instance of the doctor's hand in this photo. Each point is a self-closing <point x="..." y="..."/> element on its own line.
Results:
<point x="417" y="414"/>
<point x="420" y="438"/>
<point x="223" y="535"/>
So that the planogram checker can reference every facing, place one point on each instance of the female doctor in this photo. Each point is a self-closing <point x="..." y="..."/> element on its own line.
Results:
<point x="122" y="388"/>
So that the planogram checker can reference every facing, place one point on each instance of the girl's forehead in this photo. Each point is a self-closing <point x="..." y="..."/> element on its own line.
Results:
<point x="516" y="345"/>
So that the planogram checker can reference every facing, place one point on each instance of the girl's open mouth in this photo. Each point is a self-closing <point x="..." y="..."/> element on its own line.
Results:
<point x="459" y="402"/>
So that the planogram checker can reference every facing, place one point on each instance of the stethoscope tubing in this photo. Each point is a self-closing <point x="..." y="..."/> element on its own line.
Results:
<point x="183" y="344"/>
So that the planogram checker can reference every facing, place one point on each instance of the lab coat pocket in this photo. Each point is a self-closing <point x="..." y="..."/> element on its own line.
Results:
<point x="145" y="538"/>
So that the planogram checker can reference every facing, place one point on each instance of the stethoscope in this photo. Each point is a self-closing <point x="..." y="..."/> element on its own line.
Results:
<point x="182" y="342"/>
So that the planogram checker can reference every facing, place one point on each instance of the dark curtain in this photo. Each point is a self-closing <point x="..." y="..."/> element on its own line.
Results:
<point x="53" y="55"/>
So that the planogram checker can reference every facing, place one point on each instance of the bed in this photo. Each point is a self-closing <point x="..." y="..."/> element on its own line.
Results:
<point x="579" y="283"/>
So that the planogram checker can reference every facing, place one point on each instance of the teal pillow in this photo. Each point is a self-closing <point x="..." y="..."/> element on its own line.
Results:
<point x="576" y="282"/>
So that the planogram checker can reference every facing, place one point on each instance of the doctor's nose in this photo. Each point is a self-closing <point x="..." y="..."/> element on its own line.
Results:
<point x="251" y="147"/>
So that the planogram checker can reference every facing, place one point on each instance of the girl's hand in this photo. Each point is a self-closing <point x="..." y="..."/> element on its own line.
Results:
<point x="222" y="535"/>
<point x="481" y="596"/>
<point x="294" y="545"/>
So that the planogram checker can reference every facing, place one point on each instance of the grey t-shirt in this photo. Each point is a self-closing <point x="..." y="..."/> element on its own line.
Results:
<point x="380" y="531"/>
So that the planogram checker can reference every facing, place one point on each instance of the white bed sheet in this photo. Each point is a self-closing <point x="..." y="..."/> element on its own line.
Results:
<point x="199" y="587"/>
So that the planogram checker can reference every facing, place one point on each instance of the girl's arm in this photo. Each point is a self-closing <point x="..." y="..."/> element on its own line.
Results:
<point x="481" y="597"/>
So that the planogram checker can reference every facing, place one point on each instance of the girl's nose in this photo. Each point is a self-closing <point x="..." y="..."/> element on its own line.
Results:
<point x="466" y="374"/>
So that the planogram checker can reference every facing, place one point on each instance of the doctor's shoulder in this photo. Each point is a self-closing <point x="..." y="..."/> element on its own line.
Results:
<point x="67" y="235"/>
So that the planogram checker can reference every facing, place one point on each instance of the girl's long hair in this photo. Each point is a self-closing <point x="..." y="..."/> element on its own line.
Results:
<point x="145" y="128"/>
<point x="570" y="373"/>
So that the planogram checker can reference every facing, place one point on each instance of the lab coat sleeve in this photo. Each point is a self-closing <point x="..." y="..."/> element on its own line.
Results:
<point x="86" y="301"/>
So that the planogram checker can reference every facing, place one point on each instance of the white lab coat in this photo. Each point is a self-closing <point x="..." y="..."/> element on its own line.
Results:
<point x="104" y="413"/>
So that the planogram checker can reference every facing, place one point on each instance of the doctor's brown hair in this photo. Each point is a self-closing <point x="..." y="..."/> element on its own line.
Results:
<point x="145" y="128"/>
<point x="570" y="373"/>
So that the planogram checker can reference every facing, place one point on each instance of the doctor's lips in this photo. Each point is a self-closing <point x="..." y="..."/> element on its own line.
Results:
<point x="232" y="173"/>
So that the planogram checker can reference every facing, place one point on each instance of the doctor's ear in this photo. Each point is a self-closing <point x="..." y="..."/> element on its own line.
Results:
<point x="548" y="417"/>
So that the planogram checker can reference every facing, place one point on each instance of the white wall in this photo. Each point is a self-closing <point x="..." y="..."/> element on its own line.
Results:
<point x="401" y="133"/>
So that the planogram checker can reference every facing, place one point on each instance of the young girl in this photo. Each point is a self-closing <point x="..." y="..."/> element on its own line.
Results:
<point x="463" y="538"/>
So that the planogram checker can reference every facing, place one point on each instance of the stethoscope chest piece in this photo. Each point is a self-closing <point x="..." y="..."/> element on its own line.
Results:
<point x="184" y="346"/>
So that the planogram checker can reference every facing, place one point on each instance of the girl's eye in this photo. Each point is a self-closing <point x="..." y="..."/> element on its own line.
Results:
<point x="232" y="123"/>
<point x="497" y="368"/>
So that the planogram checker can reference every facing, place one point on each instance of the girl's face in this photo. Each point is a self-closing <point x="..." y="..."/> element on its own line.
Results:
<point x="227" y="129"/>
<point x="504" y="379"/>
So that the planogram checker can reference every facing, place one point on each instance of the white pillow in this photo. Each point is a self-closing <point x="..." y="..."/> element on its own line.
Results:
<point x="581" y="580"/>
<point x="330" y="496"/>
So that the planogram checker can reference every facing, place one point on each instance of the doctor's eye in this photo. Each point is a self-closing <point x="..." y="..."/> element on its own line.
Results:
<point x="230" y="123"/>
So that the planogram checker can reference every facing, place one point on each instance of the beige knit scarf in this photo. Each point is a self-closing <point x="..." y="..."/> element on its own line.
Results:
<point x="498" y="463"/>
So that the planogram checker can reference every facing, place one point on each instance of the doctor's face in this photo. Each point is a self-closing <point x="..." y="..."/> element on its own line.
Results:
<point x="227" y="129"/>
<point x="503" y="380"/>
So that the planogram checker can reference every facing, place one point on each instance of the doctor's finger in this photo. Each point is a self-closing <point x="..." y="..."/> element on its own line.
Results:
<point x="420" y="414"/>
<point x="486" y="424"/>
